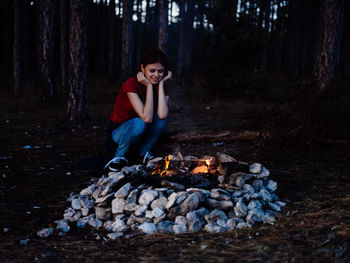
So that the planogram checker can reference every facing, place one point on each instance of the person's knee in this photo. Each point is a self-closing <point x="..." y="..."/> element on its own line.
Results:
<point x="139" y="126"/>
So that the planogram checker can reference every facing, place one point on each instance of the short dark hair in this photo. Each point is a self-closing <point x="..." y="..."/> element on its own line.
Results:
<point x="154" y="56"/>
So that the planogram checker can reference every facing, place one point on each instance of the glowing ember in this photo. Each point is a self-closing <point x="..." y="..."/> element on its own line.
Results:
<point x="166" y="166"/>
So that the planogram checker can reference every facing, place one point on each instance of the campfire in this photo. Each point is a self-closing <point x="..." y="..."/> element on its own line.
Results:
<point x="175" y="194"/>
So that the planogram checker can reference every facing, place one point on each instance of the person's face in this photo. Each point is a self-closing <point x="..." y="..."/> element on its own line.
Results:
<point x="153" y="72"/>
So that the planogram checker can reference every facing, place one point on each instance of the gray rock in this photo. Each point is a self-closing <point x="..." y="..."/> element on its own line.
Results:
<point x="149" y="214"/>
<point x="70" y="213"/>
<point x="242" y="208"/>
<point x="159" y="203"/>
<point x="280" y="203"/>
<point x="181" y="220"/>
<point x="83" y="221"/>
<point x="141" y="210"/>
<point x="215" y="215"/>
<point x="172" y="185"/>
<point x="247" y="188"/>
<point x="76" y="204"/>
<point x="102" y="212"/>
<point x="94" y="222"/>
<point x="97" y="193"/>
<point x="275" y="197"/>
<point x="132" y="197"/>
<point x="254" y="204"/>
<point x="231" y="224"/>
<point x="274" y="207"/>
<point x="222" y="205"/>
<point x="192" y="202"/>
<point x="268" y="219"/>
<point x="88" y="190"/>
<point x="147" y="196"/>
<point x="195" y="219"/>
<point x="140" y="220"/>
<point x="130" y="207"/>
<point x="237" y="194"/>
<point x="86" y="202"/>
<point x="118" y="206"/>
<point x="119" y="226"/>
<point x="171" y="200"/>
<point x="254" y="216"/>
<point x="85" y="211"/>
<point x="243" y="225"/>
<point x="255" y="168"/>
<point x="238" y="213"/>
<point x="62" y="225"/>
<point x="240" y="181"/>
<point x="258" y="184"/>
<point x="108" y="225"/>
<point x="124" y="191"/>
<point x="264" y="173"/>
<point x="157" y="212"/>
<point x="43" y="233"/>
<point x="148" y="228"/>
<point x="157" y="220"/>
<point x="265" y="195"/>
<point x="166" y="227"/>
<point x="222" y="223"/>
<point x="271" y="186"/>
<point x="214" y="228"/>
<point x="104" y="198"/>
<point x="181" y="196"/>
<point x="203" y="191"/>
<point x="114" y="236"/>
<point x="220" y="194"/>
<point x="179" y="229"/>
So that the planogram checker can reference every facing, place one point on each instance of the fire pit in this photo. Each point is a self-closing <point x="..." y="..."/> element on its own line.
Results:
<point x="175" y="194"/>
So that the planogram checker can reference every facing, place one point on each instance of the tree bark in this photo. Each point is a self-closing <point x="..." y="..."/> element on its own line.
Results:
<point x="64" y="41"/>
<point x="328" y="58"/>
<point x="127" y="41"/>
<point x="77" y="107"/>
<point x="163" y="23"/>
<point x="17" y="49"/>
<point x="47" y="15"/>
<point x="111" y="44"/>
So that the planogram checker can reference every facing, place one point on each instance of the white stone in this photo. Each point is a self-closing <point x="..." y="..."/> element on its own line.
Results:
<point x="147" y="196"/>
<point x="274" y="207"/>
<point x="157" y="212"/>
<point x="265" y="195"/>
<point x="83" y="221"/>
<point x="264" y="173"/>
<point x="240" y="181"/>
<point x="159" y="203"/>
<point x="140" y="211"/>
<point x="171" y="200"/>
<point x="255" y="168"/>
<point x="88" y="190"/>
<point x="220" y="194"/>
<point x="254" y="204"/>
<point x="181" y="220"/>
<point x="132" y="197"/>
<point x="148" y="228"/>
<point x="114" y="236"/>
<point x="271" y="186"/>
<point x="269" y="219"/>
<point x="255" y="215"/>
<point x="149" y="214"/>
<point x="179" y="229"/>
<point x="247" y="188"/>
<point x="166" y="227"/>
<point x="215" y="215"/>
<point x="94" y="222"/>
<point x="76" y="204"/>
<point x="243" y="225"/>
<point x="45" y="232"/>
<point x="214" y="228"/>
<point x="118" y="205"/>
<point x="62" y="225"/>
<point x="119" y="226"/>
<point x="231" y="224"/>
<point x="196" y="220"/>
<point x="124" y="191"/>
<point x="242" y="207"/>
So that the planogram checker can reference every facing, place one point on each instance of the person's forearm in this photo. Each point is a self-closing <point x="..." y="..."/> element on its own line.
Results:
<point x="148" y="107"/>
<point x="163" y="109"/>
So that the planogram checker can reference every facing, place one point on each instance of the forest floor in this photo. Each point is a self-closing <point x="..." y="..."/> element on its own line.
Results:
<point x="40" y="151"/>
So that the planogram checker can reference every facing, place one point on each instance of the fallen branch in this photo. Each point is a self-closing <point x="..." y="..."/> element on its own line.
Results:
<point x="210" y="136"/>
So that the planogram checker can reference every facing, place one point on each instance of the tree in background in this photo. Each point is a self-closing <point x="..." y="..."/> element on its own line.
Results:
<point x="77" y="107"/>
<point x="46" y="40"/>
<point x="163" y="23"/>
<point x="17" y="49"/>
<point x="127" y="40"/>
<point x="64" y="42"/>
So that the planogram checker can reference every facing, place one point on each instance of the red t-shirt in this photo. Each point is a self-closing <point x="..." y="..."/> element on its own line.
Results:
<point x="123" y="110"/>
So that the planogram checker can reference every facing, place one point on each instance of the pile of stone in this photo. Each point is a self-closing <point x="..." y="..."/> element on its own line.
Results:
<point x="122" y="203"/>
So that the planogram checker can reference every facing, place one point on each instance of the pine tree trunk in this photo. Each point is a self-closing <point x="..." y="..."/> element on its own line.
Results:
<point x="47" y="15"/>
<point x="163" y="23"/>
<point x="17" y="49"/>
<point x="64" y="21"/>
<point x="77" y="107"/>
<point x="328" y="58"/>
<point x="111" y="53"/>
<point x="127" y="43"/>
<point x="182" y="42"/>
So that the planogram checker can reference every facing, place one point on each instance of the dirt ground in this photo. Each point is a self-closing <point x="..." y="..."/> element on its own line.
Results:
<point x="39" y="156"/>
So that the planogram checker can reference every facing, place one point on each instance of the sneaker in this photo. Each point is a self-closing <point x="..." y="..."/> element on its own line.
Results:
<point x="116" y="164"/>
<point x="147" y="157"/>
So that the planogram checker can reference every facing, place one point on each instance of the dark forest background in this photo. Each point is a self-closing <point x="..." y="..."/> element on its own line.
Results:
<point x="264" y="50"/>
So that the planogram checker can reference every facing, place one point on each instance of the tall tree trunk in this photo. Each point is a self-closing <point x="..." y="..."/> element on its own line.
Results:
<point x="163" y="23"/>
<point x="17" y="49"/>
<point x="77" y="107"/>
<point x="127" y="41"/>
<point x="47" y="15"/>
<point x="111" y="38"/>
<point x="328" y="58"/>
<point x="182" y="41"/>
<point x="64" y="41"/>
<point x="138" y="34"/>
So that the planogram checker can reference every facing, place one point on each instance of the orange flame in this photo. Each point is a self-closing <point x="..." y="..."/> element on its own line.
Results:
<point x="166" y="166"/>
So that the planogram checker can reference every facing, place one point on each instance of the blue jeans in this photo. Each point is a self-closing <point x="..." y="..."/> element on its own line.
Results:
<point x="136" y="134"/>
